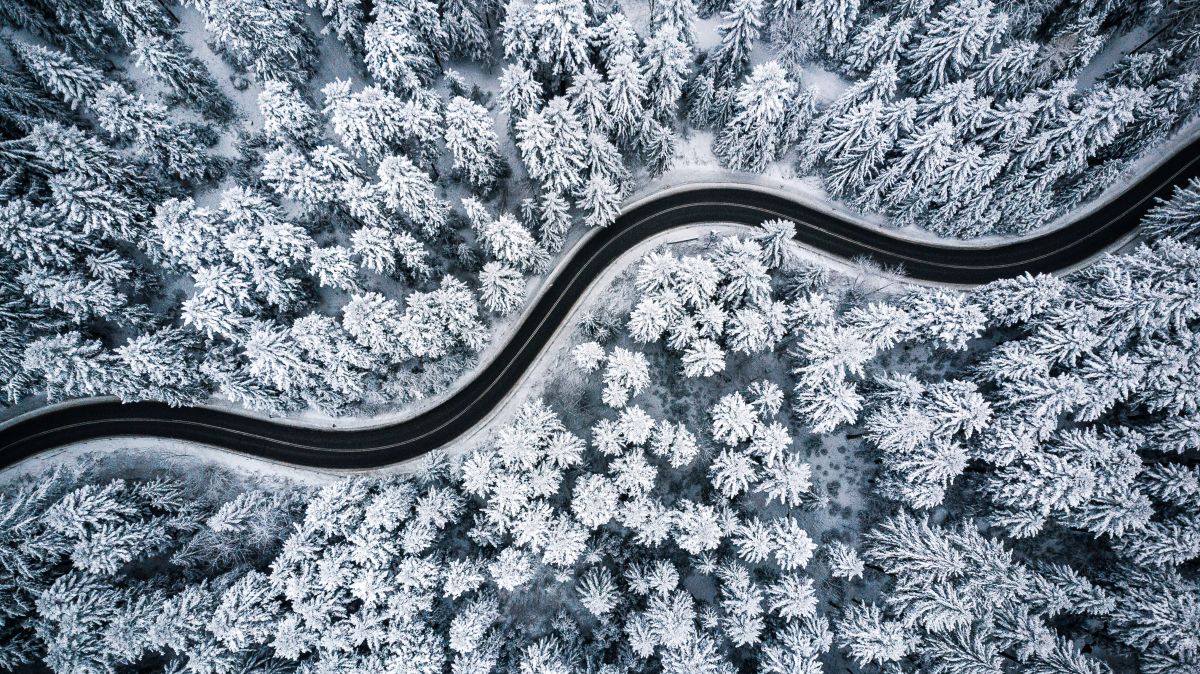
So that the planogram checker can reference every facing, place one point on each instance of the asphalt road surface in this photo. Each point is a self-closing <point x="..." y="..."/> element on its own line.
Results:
<point x="383" y="445"/>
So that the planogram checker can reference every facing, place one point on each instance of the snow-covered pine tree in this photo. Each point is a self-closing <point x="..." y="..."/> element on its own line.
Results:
<point x="658" y="146"/>
<point x="554" y="221"/>
<point x="189" y="236"/>
<point x="1009" y="71"/>
<point x="408" y="190"/>
<point x="954" y="42"/>
<point x="739" y="29"/>
<point x="345" y="20"/>
<point x="501" y="288"/>
<point x="396" y="55"/>
<point x="626" y="98"/>
<point x="504" y="238"/>
<point x="69" y="365"/>
<point x="552" y="144"/>
<point x="136" y="17"/>
<point x="520" y="93"/>
<point x="373" y="321"/>
<point x="467" y="34"/>
<point x="287" y="117"/>
<point x="675" y="15"/>
<point x="601" y="199"/>
<point x="58" y="72"/>
<point x="830" y="21"/>
<point x="312" y="184"/>
<point x="267" y="36"/>
<point x="1178" y="216"/>
<point x="369" y="121"/>
<point x="776" y="237"/>
<point x="274" y="356"/>
<point x="472" y="142"/>
<point x="157" y="136"/>
<point x="589" y="99"/>
<point x="24" y="105"/>
<point x="551" y="37"/>
<point x="167" y="58"/>
<point x="333" y="267"/>
<point x="879" y="41"/>
<point x="260" y="234"/>
<point x="754" y="136"/>
<point x="97" y="208"/>
<point x="375" y="247"/>
<point x="667" y="62"/>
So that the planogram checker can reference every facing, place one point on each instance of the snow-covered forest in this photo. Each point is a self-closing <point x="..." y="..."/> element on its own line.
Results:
<point x="746" y="461"/>
<point x="777" y="469"/>
<point x="333" y="207"/>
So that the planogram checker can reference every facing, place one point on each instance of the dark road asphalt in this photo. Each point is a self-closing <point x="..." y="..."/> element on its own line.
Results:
<point x="439" y="426"/>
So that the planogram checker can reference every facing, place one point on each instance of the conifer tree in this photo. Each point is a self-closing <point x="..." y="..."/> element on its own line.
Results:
<point x="156" y="136"/>
<point x="601" y="199"/>
<point x="678" y="16"/>
<point x="551" y="37"/>
<point x="831" y="21"/>
<point x="472" y="142"/>
<point x="753" y="137"/>
<point x="520" y="93"/>
<point x="61" y="75"/>
<point x="959" y="38"/>
<point x="71" y="366"/>
<point x="554" y="221"/>
<point x="370" y="122"/>
<point x="267" y="36"/>
<point x="667" y="61"/>
<point x="32" y="234"/>
<point x="167" y="58"/>
<point x="739" y="29"/>
<point x="287" y="116"/>
<point x="135" y="17"/>
<point x="552" y="147"/>
<point x="501" y="288"/>
<point x="72" y="293"/>
<point x="396" y="55"/>
<point x="345" y="21"/>
<point x="626" y="98"/>
<point x="880" y="41"/>
<point x="466" y="30"/>
<point x="164" y="367"/>
<point x="407" y="189"/>
<point x="1178" y="216"/>
<point x="658" y="147"/>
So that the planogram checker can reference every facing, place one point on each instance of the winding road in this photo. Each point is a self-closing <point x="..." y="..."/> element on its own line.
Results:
<point x="378" y="446"/>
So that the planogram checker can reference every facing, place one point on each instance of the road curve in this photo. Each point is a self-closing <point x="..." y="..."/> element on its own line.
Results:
<point x="379" y="446"/>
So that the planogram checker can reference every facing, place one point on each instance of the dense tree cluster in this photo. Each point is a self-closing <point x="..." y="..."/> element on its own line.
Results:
<point x="460" y="568"/>
<point x="345" y="239"/>
<point x="130" y="271"/>
<point x="966" y="118"/>
<point x="705" y="306"/>
<point x="1061" y="418"/>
